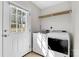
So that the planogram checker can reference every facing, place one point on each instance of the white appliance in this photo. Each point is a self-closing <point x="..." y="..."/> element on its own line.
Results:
<point x="40" y="43"/>
<point x="59" y="43"/>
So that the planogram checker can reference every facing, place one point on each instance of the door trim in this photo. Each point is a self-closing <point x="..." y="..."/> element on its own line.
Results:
<point x="2" y="24"/>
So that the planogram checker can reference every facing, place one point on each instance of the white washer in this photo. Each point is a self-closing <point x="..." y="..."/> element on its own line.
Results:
<point x="40" y="45"/>
<point x="62" y="36"/>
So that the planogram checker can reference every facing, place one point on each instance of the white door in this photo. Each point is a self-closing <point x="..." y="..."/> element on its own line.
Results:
<point x="0" y="28"/>
<point x="14" y="43"/>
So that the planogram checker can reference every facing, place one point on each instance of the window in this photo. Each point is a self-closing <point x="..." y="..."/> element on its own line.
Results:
<point x="18" y="19"/>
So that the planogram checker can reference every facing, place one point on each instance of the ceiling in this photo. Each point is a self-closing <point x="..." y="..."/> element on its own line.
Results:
<point x="46" y="4"/>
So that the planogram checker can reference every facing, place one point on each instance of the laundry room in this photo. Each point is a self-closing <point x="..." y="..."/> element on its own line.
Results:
<point x="39" y="29"/>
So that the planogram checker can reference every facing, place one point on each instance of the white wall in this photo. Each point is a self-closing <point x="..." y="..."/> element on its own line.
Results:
<point x="75" y="18"/>
<point x="61" y="22"/>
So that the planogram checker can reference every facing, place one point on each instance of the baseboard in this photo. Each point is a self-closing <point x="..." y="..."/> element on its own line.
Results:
<point x="38" y="53"/>
<point x="26" y="53"/>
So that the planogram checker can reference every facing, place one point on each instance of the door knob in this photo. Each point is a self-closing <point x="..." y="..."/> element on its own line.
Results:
<point x="5" y="30"/>
<point x="4" y="35"/>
